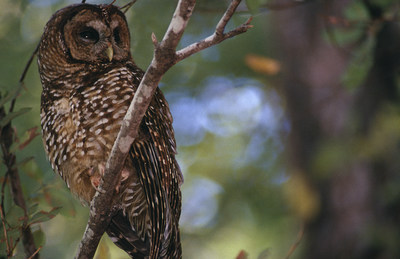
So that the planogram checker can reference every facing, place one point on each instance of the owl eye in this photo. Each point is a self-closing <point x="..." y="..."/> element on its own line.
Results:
<point x="117" y="38"/>
<point x="89" y="34"/>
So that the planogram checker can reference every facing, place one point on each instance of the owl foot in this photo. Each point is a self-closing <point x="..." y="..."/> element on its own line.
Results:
<point x="124" y="176"/>
<point x="95" y="178"/>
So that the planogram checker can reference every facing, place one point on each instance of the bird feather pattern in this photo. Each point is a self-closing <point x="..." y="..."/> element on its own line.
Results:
<point x="89" y="79"/>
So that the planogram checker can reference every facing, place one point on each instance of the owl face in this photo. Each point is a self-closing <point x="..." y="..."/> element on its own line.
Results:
<point x="83" y="34"/>
<point x="97" y="34"/>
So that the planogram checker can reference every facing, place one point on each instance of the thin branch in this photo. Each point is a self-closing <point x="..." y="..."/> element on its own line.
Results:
<point x="3" y="221"/>
<point x="212" y="40"/>
<point x="154" y="40"/>
<point x="274" y="6"/>
<point x="6" y="140"/>
<point x="126" y="7"/>
<point x="21" y="79"/>
<point x="3" y="215"/>
<point x="35" y="253"/>
<point x="165" y="56"/>
<point x="3" y="185"/>
<point x="226" y="17"/>
<point x="300" y="235"/>
<point x="112" y="2"/>
<point x="28" y="64"/>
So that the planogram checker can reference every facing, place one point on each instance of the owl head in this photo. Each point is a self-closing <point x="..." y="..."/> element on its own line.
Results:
<point x="83" y="34"/>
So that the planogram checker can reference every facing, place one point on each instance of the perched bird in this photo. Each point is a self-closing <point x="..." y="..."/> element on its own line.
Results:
<point x="89" y="79"/>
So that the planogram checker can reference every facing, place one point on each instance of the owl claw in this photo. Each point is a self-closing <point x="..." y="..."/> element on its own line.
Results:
<point x="123" y="177"/>
<point x="95" y="179"/>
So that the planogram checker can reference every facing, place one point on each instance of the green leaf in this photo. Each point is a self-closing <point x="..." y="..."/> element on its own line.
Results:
<point x="57" y="196"/>
<point x="9" y="117"/>
<point x="359" y="66"/>
<point x="43" y="216"/>
<point x="32" y="209"/>
<point x="14" y="216"/>
<point x="40" y="238"/>
<point x="11" y="95"/>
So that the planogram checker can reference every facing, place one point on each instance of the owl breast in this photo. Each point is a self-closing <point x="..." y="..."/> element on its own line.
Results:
<point x="89" y="79"/>
<point x="81" y="123"/>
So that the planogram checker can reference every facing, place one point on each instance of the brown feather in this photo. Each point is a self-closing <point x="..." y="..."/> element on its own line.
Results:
<point x="85" y="97"/>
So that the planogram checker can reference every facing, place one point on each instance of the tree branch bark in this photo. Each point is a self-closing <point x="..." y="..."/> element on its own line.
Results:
<point x="165" y="56"/>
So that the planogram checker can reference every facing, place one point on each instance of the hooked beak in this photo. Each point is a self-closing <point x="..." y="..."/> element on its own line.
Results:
<point x="109" y="52"/>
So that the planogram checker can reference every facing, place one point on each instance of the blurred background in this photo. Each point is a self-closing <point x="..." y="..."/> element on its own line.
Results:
<point x="288" y="135"/>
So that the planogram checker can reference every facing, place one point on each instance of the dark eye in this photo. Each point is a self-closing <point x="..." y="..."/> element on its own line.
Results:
<point x="89" y="34"/>
<point x="117" y="38"/>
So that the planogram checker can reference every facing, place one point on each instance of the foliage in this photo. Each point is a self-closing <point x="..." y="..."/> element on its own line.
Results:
<point x="231" y="126"/>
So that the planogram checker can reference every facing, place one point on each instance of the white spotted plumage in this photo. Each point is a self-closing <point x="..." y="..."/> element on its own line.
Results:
<point x="85" y="97"/>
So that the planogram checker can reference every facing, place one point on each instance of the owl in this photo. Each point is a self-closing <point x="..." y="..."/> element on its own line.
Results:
<point x="89" y="79"/>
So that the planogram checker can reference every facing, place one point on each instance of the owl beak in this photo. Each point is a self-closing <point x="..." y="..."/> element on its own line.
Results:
<point x="109" y="52"/>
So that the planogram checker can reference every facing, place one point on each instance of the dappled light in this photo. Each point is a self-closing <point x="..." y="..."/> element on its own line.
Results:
<point x="285" y="135"/>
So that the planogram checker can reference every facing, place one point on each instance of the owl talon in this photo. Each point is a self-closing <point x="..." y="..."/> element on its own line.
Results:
<point x="95" y="179"/>
<point x="123" y="177"/>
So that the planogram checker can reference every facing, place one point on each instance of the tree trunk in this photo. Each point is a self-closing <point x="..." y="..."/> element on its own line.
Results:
<point x="353" y="216"/>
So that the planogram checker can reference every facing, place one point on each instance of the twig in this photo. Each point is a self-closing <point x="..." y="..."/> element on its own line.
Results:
<point x="214" y="39"/>
<point x="22" y="78"/>
<point x="165" y="56"/>
<point x="112" y="2"/>
<point x="297" y="242"/>
<point x="6" y="140"/>
<point x="3" y="185"/>
<point x="3" y="221"/>
<point x="16" y="189"/>
<point x="28" y="64"/>
<point x="126" y="7"/>
<point x="37" y="251"/>
<point x="274" y="6"/>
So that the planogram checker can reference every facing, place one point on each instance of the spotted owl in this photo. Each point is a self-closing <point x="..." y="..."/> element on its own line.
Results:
<point x="89" y="79"/>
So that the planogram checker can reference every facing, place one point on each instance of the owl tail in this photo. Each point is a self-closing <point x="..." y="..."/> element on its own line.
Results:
<point x="121" y="233"/>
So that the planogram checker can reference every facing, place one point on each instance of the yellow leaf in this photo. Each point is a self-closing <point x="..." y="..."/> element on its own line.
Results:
<point x="263" y="65"/>
<point x="102" y="251"/>
<point x="303" y="199"/>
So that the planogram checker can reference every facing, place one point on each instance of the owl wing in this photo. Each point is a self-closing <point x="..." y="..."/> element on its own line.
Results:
<point x="154" y="159"/>
<point x="120" y="232"/>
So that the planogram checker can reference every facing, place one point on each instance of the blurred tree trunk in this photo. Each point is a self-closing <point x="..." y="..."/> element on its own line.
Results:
<point x="352" y="216"/>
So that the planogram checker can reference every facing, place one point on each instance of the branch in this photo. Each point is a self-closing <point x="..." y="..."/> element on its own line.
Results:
<point x="165" y="56"/>
<point x="214" y="39"/>
<point x="126" y="7"/>
<point x="300" y="235"/>
<point x="6" y="140"/>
